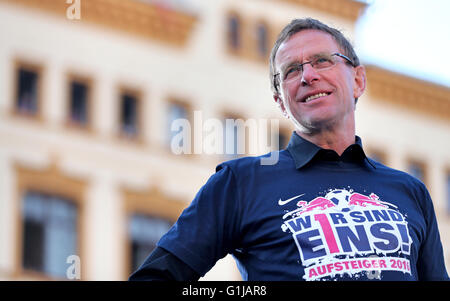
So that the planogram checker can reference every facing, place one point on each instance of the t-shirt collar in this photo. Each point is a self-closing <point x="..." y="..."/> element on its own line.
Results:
<point x="303" y="151"/>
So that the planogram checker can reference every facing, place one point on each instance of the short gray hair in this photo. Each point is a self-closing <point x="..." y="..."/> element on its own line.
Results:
<point x="298" y="25"/>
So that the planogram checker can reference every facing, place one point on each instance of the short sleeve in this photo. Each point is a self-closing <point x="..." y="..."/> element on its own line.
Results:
<point x="430" y="264"/>
<point x="207" y="229"/>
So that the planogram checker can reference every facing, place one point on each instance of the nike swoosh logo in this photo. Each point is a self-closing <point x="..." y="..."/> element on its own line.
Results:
<point x="281" y="203"/>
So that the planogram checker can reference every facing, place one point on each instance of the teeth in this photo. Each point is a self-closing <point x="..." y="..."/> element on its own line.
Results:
<point x="309" y="98"/>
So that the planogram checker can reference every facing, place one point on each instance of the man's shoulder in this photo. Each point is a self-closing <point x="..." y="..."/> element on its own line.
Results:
<point x="400" y="175"/>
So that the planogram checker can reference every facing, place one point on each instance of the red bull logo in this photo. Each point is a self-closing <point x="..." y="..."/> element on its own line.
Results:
<point x="342" y="200"/>
<point x="335" y="234"/>
<point x="318" y="203"/>
<point x="358" y="199"/>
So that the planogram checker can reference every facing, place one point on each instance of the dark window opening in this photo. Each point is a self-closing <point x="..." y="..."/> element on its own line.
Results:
<point x="129" y="115"/>
<point x="378" y="156"/>
<point x="261" y="33"/>
<point x="144" y="232"/>
<point x="79" y="103"/>
<point x="234" y="34"/>
<point x="33" y="246"/>
<point x="417" y="170"/>
<point x="176" y="111"/>
<point x="232" y="139"/>
<point x="282" y="140"/>
<point x="27" y="92"/>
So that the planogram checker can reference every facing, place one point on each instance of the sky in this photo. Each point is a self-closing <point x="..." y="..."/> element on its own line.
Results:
<point x="407" y="36"/>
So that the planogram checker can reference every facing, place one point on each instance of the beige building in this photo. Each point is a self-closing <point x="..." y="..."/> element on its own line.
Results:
<point x="89" y="91"/>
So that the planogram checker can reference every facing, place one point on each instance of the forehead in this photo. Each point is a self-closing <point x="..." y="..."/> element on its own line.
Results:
<point x="303" y="44"/>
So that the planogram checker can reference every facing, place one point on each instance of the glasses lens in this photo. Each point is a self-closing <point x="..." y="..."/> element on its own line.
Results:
<point x="323" y="62"/>
<point x="291" y="73"/>
<point x="318" y="62"/>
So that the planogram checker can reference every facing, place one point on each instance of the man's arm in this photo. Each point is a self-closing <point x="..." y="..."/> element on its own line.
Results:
<point x="164" y="266"/>
<point x="431" y="264"/>
<point x="205" y="232"/>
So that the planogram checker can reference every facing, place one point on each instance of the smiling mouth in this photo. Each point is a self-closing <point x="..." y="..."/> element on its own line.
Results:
<point x="315" y="96"/>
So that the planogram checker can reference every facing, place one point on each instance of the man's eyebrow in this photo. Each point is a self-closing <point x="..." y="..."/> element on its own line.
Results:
<point x="319" y="54"/>
<point x="289" y="64"/>
<point x="296" y="62"/>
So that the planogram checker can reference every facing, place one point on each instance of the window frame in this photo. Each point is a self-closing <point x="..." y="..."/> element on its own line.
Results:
<point x="235" y="49"/>
<point x="188" y="108"/>
<point x="138" y="95"/>
<point x="235" y="116"/>
<point x="152" y="202"/>
<point x="382" y="155"/>
<point x="257" y="25"/>
<point x="88" y="82"/>
<point x="48" y="200"/>
<point x="53" y="182"/>
<point x="422" y="164"/>
<point x="39" y="70"/>
<point x="285" y="131"/>
<point x="146" y="216"/>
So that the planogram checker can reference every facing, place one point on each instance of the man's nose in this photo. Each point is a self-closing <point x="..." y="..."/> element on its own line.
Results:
<point x="309" y="75"/>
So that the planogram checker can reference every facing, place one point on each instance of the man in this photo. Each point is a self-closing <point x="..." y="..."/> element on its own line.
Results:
<point x="324" y="211"/>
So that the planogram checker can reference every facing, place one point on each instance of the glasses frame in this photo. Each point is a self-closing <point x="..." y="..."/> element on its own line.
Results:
<point x="277" y="83"/>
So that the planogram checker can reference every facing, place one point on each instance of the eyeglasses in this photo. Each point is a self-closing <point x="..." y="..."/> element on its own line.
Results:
<point x="319" y="62"/>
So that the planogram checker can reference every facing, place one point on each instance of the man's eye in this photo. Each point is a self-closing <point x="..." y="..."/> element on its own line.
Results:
<point x="290" y="72"/>
<point x="323" y="62"/>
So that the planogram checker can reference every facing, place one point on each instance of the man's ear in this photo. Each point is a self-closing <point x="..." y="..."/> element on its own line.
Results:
<point x="360" y="81"/>
<point x="280" y="104"/>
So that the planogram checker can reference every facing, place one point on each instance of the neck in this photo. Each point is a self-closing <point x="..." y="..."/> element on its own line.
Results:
<point x="334" y="139"/>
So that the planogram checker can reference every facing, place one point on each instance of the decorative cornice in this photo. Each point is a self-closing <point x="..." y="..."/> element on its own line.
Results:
<point x="410" y="93"/>
<point x="50" y="180"/>
<point x="348" y="9"/>
<point x="131" y="16"/>
<point x="154" y="202"/>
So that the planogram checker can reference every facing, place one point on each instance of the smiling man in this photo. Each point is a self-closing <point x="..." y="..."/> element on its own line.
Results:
<point x="318" y="95"/>
<point x="324" y="211"/>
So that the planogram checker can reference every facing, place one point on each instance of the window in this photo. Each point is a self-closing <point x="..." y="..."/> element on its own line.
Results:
<point x="27" y="91"/>
<point x="236" y="132"/>
<point x="149" y="214"/>
<point x="377" y="155"/>
<point x="49" y="233"/>
<point x="176" y="111"/>
<point x="129" y="123"/>
<point x="78" y="106"/>
<point x="417" y="170"/>
<point x="283" y="139"/>
<point x="234" y="32"/>
<point x="262" y="39"/>
<point x="230" y="137"/>
<point x="144" y="232"/>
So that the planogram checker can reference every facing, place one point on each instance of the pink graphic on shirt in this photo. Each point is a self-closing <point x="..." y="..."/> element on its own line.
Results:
<point x="328" y="232"/>
<point x="345" y="233"/>
<point x="363" y="200"/>
<point x="318" y="203"/>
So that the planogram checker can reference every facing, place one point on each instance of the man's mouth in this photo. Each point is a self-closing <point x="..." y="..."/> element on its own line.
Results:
<point x="315" y="96"/>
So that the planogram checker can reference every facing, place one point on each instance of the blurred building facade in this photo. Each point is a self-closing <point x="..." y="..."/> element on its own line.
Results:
<point x="88" y="93"/>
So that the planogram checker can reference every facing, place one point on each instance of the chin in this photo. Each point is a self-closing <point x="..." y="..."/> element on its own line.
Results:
<point x="315" y="126"/>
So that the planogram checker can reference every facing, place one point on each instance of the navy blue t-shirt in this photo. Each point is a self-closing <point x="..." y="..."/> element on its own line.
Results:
<point x="314" y="215"/>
